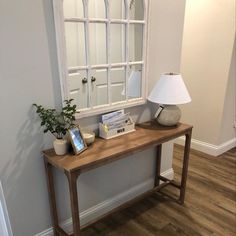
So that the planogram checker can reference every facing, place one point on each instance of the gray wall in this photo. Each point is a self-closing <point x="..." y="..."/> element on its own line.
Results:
<point x="28" y="73"/>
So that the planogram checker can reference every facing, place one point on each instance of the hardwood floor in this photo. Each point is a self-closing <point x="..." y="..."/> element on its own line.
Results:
<point x="209" y="209"/>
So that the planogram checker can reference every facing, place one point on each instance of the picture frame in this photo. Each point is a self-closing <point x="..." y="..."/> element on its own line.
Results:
<point x="77" y="140"/>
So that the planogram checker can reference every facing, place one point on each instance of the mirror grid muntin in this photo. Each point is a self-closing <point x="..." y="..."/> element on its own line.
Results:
<point x="124" y="22"/>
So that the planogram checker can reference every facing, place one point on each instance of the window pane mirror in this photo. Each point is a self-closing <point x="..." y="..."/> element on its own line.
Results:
<point x="117" y="43"/>
<point x="73" y="8"/>
<point x="136" y="9"/>
<point x="117" y="9"/>
<point x="97" y="43"/>
<point x="102" y="53"/>
<point x="134" y="86"/>
<point x="75" y="44"/>
<point x="96" y="9"/>
<point x="118" y="84"/>
<point x="135" y="42"/>
<point x="78" y="88"/>
<point x="99" y="87"/>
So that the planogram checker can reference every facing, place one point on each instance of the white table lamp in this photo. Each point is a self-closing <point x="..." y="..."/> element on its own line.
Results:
<point x="168" y="92"/>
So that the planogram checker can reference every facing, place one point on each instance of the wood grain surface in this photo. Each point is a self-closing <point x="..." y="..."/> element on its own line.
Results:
<point x="103" y="151"/>
<point x="209" y="209"/>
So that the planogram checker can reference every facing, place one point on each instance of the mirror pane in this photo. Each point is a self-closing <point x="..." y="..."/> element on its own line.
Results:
<point x="135" y="42"/>
<point x="97" y="44"/>
<point x="78" y="88"/>
<point x="117" y="76"/>
<point x="75" y="44"/>
<point x="117" y="46"/>
<point x="99" y="87"/>
<point x="117" y="9"/>
<point x="96" y="9"/>
<point x="136" y="9"/>
<point x="135" y="81"/>
<point x="73" y="8"/>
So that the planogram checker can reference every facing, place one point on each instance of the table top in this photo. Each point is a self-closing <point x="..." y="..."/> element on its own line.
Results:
<point x="103" y="151"/>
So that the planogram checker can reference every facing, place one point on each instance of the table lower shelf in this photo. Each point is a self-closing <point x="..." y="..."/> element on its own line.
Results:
<point x="129" y="203"/>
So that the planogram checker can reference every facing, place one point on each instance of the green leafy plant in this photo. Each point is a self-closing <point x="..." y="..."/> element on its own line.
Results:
<point x="57" y="122"/>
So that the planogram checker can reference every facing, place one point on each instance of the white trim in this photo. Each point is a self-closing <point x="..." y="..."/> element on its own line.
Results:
<point x="101" y="66"/>
<point x="61" y="46"/>
<point x="108" y="51"/>
<point x="211" y="149"/>
<point x="109" y="204"/>
<point x="146" y="5"/>
<point x="87" y="50"/>
<point x="97" y="20"/>
<point x="107" y="108"/>
<point x="5" y="226"/>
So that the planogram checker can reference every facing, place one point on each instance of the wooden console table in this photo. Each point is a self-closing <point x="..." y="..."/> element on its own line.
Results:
<point x="102" y="152"/>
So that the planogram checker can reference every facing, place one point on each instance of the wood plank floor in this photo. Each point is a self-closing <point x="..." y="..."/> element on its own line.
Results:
<point x="209" y="209"/>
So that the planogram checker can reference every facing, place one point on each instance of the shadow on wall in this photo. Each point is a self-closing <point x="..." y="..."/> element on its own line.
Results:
<point x="24" y="171"/>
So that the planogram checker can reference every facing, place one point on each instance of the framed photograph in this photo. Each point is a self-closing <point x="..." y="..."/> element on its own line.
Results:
<point x="77" y="140"/>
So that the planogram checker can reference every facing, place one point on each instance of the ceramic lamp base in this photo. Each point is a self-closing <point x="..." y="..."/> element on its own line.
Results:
<point x="169" y="116"/>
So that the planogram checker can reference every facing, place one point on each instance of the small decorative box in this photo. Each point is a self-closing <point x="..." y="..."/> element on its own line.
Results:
<point x="108" y="134"/>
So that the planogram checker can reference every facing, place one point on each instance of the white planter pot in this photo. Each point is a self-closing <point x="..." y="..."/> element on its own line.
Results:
<point x="60" y="146"/>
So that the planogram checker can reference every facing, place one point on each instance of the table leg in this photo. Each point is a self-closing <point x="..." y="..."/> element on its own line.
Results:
<point x="185" y="167"/>
<point x="72" y="180"/>
<point x="158" y="165"/>
<point x="52" y="196"/>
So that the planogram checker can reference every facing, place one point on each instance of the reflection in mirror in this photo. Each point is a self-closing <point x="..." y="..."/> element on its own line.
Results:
<point x="96" y="9"/>
<point x="73" y="8"/>
<point x="97" y="44"/>
<point x="117" y="10"/>
<point x="134" y="81"/>
<point x="78" y="88"/>
<point x="135" y="42"/>
<point x="117" y="46"/>
<point x="99" y="87"/>
<point x="117" y="76"/>
<point x="136" y="10"/>
<point x="75" y="44"/>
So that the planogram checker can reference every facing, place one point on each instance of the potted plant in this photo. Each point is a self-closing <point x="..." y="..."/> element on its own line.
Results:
<point x="58" y="122"/>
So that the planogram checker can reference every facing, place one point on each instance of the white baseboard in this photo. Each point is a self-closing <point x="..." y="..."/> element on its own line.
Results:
<point x="208" y="148"/>
<point x="109" y="204"/>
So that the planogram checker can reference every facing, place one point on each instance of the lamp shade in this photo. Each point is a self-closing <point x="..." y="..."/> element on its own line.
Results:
<point x="170" y="90"/>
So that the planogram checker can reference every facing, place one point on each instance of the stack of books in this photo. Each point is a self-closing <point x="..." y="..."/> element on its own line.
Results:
<point x="115" y="124"/>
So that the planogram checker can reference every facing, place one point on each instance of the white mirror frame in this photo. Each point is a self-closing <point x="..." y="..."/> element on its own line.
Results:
<point x="62" y="61"/>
